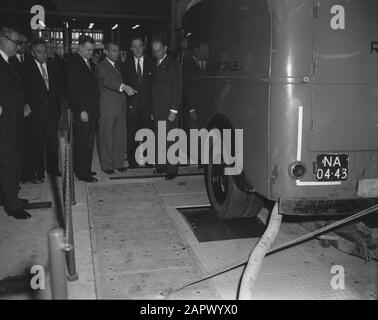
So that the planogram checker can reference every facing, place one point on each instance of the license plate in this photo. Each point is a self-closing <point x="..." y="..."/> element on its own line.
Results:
<point x="332" y="167"/>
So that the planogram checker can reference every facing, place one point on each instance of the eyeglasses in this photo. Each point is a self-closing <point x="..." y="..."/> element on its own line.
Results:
<point x="17" y="42"/>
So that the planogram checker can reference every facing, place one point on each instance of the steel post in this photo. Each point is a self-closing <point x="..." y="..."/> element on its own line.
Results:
<point x="69" y="238"/>
<point x="57" y="264"/>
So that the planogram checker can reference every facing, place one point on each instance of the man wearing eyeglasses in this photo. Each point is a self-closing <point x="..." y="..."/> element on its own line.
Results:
<point x="11" y="126"/>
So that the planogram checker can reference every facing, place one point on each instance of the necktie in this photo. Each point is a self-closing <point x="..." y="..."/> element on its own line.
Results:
<point x="44" y="76"/>
<point x="202" y="65"/>
<point x="88" y="65"/>
<point x="139" y="72"/>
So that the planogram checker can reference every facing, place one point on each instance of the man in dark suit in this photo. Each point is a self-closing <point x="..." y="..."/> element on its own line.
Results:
<point x="84" y="94"/>
<point x="43" y="85"/>
<point x="11" y="126"/>
<point x="194" y="92"/>
<point x="166" y="94"/>
<point x="22" y="57"/>
<point x="137" y="70"/>
<point x="112" y="122"/>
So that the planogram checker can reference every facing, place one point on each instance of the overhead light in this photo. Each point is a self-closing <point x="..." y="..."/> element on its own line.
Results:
<point x="136" y="26"/>
<point x="91" y="25"/>
<point x="42" y="24"/>
<point x="189" y="34"/>
<point x="115" y="26"/>
<point x="66" y="24"/>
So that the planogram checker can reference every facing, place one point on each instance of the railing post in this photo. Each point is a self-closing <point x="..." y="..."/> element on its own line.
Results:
<point x="71" y="142"/>
<point x="61" y="154"/>
<point x="57" y="263"/>
<point x="69" y="239"/>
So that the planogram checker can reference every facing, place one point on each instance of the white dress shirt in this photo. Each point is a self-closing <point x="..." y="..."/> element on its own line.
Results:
<point x="4" y="55"/>
<point x="159" y="63"/>
<point x="40" y="68"/>
<point x="161" y="60"/>
<point x="136" y="61"/>
<point x="113" y="64"/>
<point x="86" y="61"/>
<point x="20" y="57"/>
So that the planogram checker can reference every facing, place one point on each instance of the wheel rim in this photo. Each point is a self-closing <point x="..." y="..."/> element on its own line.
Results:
<point x="219" y="182"/>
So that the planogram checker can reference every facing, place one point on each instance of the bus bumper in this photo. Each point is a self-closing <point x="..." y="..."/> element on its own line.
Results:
<point x="325" y="207"/>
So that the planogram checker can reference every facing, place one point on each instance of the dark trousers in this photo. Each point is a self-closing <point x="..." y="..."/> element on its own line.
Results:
<point x="11" y="151"/>
<point x="28" y="170"/>
<point x="189" y="123"/>
<point x="136" y="119"/>
<point x="168" y="167"/>
<point x="45" y="146"/>
<point x="112" y="142"/>
<point x="84" y="136"/>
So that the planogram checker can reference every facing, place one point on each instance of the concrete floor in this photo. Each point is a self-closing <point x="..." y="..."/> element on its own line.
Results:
<point x="24" y="244"/>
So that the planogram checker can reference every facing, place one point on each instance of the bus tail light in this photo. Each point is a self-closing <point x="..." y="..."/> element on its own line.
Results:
<point x="297" y="170"/>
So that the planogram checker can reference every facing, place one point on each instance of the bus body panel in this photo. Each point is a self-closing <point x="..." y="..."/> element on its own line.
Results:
<point x="301" y="67"/>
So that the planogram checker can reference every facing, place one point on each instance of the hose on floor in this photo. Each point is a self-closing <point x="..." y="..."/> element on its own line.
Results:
<point x="288" y="244"/>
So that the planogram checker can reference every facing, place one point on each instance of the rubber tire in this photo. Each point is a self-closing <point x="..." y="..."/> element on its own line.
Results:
<point x="237" y="204"/>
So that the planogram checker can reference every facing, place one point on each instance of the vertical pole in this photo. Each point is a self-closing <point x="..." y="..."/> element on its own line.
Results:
<point x="174" y="26"/>
<point x="61" y="154"/>
<point x="119" y="34"/>
<point x="69" y="239"/>
<point x="66" y="38"/>
<point x="71" y="142"/>
<point x="57" y="264"/>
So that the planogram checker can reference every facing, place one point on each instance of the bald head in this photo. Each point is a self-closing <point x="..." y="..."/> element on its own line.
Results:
<point x="9" y="41"/>
<point x="24" y="44"/>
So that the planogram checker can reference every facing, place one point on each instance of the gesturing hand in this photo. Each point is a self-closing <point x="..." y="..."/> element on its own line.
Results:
<point x="129" y="90"/>
<point x="84" y="116"/>
<point x="27" y="110"/>
<point x="172" y="116"/>
<point x="193" y="115"/>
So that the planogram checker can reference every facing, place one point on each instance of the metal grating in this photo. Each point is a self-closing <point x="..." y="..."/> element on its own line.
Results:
<point x="138" y="253"/>
<point x="206" y="226"/>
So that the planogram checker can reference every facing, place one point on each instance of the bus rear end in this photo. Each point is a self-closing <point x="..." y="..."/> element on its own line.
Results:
<point x="323" y="124"/>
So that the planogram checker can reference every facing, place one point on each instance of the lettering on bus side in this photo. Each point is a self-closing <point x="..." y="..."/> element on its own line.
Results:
<point x="374" y="47"/>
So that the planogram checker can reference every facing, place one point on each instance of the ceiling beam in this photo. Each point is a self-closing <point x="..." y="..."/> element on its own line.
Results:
<point x="91" y="14"/>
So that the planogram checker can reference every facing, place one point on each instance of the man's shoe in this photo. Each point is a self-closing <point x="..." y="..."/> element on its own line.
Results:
<point x="88" y="179"/>
<point x="122" y="169"/>
<point x="37" y="180"/>
<point x="55" y="174"/>
<point x="109" y="171"/>
<point x="24" y="202"/>
<point x="20" y="214"/>
<point x="134" y="166"/>
<point x="92" y="173"/>
<point x="170" y="176"/>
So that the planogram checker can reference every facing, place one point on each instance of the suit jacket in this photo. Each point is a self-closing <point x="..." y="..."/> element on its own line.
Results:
<point x="44" y="103"/>
<point x="83" y="90"/>
<point x="197" y="90"/>
<point x="166" y="87"/>
<point x="112" y="101"/>
<point x="142" y="99"/>
<point x="11" y="93"/>
<point x="11" y="118"/>
<point x="191" y="71"/>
